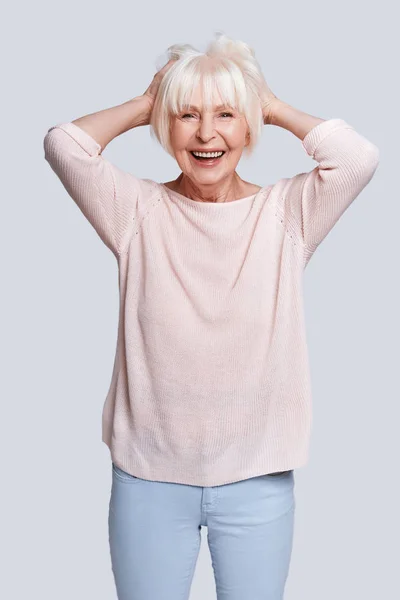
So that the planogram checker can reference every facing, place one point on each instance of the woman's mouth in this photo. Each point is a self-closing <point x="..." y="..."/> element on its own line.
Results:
<point x="207" y="159"/>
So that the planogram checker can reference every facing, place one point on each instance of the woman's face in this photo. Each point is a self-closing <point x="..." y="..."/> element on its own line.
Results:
<point x="219" y="129"/>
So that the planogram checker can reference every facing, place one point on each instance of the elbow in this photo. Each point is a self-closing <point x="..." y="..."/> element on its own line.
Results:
<point x="375" y="156"/>
<point x="372" y="158"/>
<point x="358" y="168"/>
<point x="50" y="143"/>
<point x="47" y="144"/>
<point x="366" y="160"/>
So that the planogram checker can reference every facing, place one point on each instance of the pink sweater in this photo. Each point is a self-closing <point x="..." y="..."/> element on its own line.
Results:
<point x="211" y="380"/>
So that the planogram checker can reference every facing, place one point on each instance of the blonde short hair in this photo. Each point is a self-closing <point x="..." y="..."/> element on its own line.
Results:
<point x="232" y="71"/>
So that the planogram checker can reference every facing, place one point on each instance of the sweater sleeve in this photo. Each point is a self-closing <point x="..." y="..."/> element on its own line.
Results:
<point x="315" y="201"/>
<point x="106" y="195"/>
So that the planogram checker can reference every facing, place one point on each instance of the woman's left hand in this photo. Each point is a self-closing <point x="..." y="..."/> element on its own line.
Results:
<point x="268" y="102"/>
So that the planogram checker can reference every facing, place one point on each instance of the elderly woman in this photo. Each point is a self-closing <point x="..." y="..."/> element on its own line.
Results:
<point x="208" y="412"/>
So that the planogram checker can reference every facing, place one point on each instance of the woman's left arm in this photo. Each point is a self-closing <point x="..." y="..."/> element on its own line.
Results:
<point x="347" y="161"/>
<point x="283" y="115"/>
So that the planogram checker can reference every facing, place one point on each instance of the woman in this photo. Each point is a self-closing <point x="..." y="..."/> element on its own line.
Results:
<point x="209" y="408"/>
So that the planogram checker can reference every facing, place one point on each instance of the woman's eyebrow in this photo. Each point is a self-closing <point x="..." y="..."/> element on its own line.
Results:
<point x="219" y="107"/>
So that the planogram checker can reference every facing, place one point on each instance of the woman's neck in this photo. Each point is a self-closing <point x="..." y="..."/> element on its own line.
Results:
<point x="221" y="192"/>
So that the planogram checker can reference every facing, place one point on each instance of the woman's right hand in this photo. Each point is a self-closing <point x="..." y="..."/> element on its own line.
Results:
<point x="151" y="92"/>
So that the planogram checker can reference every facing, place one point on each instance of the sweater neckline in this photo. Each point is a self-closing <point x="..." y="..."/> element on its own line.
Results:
<point x="192" y="202"/>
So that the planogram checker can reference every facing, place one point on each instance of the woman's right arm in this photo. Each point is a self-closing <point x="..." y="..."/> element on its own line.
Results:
<point x="106" y="195"/>
<point x="105" y="125"/>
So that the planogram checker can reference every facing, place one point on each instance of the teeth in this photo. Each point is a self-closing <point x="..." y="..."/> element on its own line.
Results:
<point x="208" y="154"/>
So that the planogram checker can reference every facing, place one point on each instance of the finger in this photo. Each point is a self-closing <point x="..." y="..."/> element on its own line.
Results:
<point x="169" y="63"/>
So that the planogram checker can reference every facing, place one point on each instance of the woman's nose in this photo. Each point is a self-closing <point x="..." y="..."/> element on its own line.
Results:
<point x="206" y="129"/>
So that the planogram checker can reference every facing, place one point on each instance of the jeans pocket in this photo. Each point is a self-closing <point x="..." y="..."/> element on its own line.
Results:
<point x="123" y="475"/>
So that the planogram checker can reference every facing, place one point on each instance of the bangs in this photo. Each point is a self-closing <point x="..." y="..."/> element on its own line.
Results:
<point x="219" y="83"/>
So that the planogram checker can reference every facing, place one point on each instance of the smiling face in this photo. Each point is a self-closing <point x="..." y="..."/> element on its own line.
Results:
<point x="220" y="128"/>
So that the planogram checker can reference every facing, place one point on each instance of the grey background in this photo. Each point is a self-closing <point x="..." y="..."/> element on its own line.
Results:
<point x="60" y="295"/>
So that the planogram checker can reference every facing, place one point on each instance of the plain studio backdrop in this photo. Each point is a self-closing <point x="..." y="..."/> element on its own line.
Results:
<point x="60" y="287"/>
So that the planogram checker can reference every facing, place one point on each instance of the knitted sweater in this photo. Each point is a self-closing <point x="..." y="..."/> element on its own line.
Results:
<point x="211" y="379"/>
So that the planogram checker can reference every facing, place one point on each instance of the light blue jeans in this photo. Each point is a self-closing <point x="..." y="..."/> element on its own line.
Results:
<point x="155" y="535"/>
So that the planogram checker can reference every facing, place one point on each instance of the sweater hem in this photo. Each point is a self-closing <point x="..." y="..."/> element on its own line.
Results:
<point x="164" y="474"/>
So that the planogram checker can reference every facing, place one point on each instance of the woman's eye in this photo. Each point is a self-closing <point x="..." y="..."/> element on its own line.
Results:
<point x="187" y="115"/>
